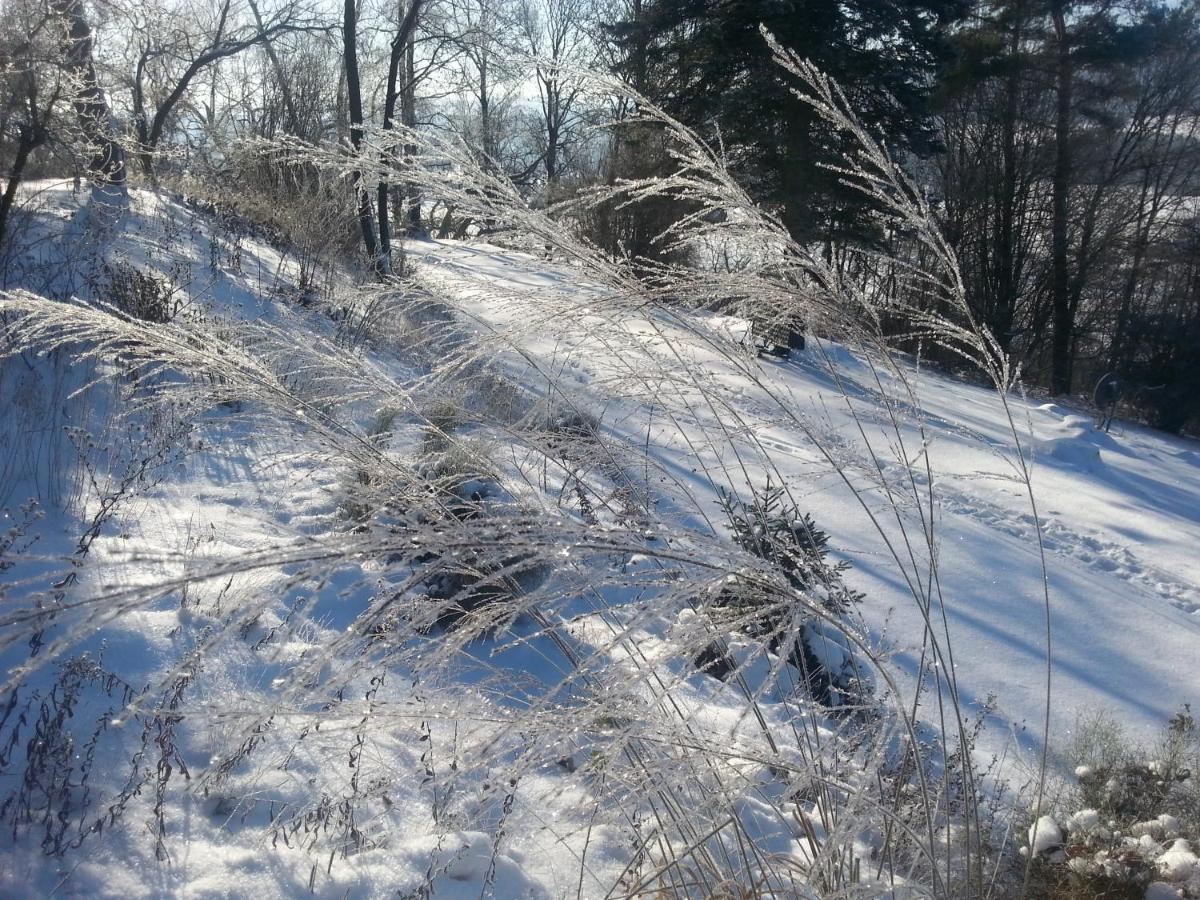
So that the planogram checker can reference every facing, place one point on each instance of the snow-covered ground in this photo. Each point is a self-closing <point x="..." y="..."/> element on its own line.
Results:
<point x="1120" y="512"/>
<point x="1119" y="518"/>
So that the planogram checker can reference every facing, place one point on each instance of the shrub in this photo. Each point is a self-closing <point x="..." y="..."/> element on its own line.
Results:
<point x="142" y="295"/>
<point x="772" y="528"/>
<point x="1127" y="825"/>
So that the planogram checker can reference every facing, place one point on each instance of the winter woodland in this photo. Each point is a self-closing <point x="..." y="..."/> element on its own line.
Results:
<point x="600" y="448"/>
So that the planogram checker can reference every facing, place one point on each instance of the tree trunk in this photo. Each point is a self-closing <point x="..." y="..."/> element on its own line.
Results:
<point x="1006" y="280"/>
<point x="637" y="63"/>
<point x="408" y="117"/>
<point x="95" y="120"/>
<point x="400" y="45"/>
<point x="25" y="145"/>
<point x="389" y="106"/>
<point x="1060" y="286"/>
<point x="552" y="139"/>
<point x="1117" y="351"/>
<point x="140" y="123"/>
<point x="354" y="100"/>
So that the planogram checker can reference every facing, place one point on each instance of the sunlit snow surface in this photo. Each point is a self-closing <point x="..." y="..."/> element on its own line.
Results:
<point x="1119" y="517"/>
<point x="1120" y="512"/>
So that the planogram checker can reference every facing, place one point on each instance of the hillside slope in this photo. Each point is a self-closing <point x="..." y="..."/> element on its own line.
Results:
<point x="1120" y="512"/>
<point x="235" y="659"/>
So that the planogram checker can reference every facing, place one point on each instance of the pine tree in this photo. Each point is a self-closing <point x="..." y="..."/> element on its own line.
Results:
<point x="771" y="528"/>
<point x="706" y="63"/>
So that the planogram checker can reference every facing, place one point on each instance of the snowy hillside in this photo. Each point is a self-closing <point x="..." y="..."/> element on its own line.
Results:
<point x="373" y="593"/>
<point x="1120" y="512"/>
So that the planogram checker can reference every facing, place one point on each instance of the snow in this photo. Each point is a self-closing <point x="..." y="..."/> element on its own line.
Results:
<point x="1119" y="513"/>
<point x="1045" y="836"/>
<point x="1083" y="820"/>
<point x="1179" y="862"/>
<point x="1160" y="890"/>
<point x="1118" y="517"/>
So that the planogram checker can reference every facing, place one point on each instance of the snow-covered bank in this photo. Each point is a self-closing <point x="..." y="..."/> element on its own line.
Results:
<point x="232" y="740"/>
<point x="1119" y="512"/>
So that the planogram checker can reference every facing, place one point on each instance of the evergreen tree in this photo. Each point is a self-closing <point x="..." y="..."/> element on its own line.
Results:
<point x="706" y="63"/>
<point x="771" y="528"/>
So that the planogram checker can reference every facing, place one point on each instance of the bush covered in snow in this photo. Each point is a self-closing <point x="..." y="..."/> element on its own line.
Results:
<point x="770" y="527"/>
<point x="1129" y="823"/>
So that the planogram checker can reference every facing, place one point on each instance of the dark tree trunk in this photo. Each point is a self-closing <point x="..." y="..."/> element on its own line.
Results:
<point x="552" y="139"/>
<point x="1062" y="339"/>
<point x="140" y="123"/>
<point x="25" y="145"/>
<point x="354" y="101"/>
<point x="408" y="116"/>
<point x="400" y="46"/>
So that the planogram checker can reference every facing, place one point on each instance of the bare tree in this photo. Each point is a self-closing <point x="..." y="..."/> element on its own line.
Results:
<point x="557" y="35"/>
<point x="297" y="96"/>
<point x="95" y="118"/>
<point x="378" y="243"/>
<point x="30" y="87"/>
<point x="1071" y="136"/>
<point x="1060" y="288"/>
<point x="171" y="57"/>
<point x="416" y="49"/>
<point x="484" y="31"/>
<point x="1164" y="157"/>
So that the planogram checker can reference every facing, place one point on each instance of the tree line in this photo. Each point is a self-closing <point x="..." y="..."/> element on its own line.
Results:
<point x="1056" y="139"/>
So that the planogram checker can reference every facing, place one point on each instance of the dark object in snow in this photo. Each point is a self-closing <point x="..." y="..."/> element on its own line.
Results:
<point x="477" y="576"/>
<point x="777" y="338"/>
<point x="468" y="582"/>
<point x="473" y="583"/>
<point x="1108" y="391"/>
<point x="772" y="529"/>
<point x="143" y="296"/>
<point x="714" y="660"/>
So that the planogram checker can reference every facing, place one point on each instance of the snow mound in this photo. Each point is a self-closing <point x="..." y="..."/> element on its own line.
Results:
<point x="1082" y="821"/>
<point x="1072" y="441"/>
<point x="1160" y="890"/>
<point x="1045" y="836"/>
<point x="1178" y="863"/>
<point x="1052" y="409"/>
